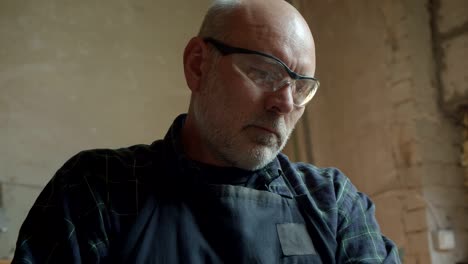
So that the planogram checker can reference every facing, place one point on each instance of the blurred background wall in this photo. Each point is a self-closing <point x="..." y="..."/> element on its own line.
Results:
<point x="83" y="74"/>
<point x="92" y="74"/>
<point x="389" y="113"/>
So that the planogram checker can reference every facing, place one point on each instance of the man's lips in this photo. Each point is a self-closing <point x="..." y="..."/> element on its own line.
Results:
<point x="269" y="130"/>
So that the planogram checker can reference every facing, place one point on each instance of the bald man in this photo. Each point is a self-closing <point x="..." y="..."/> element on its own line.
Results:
<point x="216" y="189"/>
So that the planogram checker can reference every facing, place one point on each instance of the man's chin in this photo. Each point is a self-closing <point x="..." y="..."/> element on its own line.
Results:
<point x="257" y="158"/>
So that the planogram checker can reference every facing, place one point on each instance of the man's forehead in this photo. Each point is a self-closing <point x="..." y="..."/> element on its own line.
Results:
<point x="290" y="49"/>
<point x="273" y="27"/>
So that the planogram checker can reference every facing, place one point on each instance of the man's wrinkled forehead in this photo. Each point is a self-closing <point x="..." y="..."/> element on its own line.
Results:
<point x="264" y="26"/>
<point x="273" y="27"/>
<point x="286" y="43"/>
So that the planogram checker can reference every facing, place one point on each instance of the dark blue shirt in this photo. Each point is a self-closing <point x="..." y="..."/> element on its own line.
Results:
<point x="96" y="196"/>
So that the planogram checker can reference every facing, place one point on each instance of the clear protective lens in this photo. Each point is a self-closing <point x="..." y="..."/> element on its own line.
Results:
<point x="263" y="71"/>
<point x="305" y="91"/>
<point x="270" y="75"/>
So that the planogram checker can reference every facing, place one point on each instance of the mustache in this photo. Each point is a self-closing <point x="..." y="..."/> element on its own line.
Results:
<point x="271" y="122"/>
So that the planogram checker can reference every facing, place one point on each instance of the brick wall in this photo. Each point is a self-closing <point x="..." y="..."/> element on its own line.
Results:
<point x="464" y="158"/>
<point x="378" y="114"/>
<point x="450" y="40"/>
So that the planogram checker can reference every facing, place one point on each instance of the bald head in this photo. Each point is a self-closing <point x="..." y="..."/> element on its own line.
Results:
<point x="215" y="22"/>
<point x="222" y="12"/>
<point x="272" y="26"/>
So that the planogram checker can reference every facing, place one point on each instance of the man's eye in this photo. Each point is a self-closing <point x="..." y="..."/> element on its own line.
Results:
<point x="257" y="74"/>
<point x="300" y="88"/>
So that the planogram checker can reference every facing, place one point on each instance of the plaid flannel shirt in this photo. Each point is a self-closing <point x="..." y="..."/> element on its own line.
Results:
<point x="97" y="194"/>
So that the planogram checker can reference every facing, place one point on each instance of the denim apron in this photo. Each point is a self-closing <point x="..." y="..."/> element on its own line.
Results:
<point x="218" y="223"/>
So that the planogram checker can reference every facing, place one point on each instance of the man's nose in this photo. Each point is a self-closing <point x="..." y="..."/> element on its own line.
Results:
<point x="281" y="100"/>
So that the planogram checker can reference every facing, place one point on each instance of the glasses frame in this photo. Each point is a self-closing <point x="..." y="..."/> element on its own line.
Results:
<point x="227" y="50"/>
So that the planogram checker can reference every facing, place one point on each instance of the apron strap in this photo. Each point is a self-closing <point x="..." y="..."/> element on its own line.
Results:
<point x="125" y="251"/>
<point x="323" y="238"/>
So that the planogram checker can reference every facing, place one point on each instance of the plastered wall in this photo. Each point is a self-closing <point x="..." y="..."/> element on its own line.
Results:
<point x="450" y="40"/>
<point x="84" y="74"/>
<point x="450" y="28"/>
<point x="378" y="114"/>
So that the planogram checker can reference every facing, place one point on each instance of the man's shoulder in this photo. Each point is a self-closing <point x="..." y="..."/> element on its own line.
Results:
<point x="317" y="181"/>
<point x="111" y="164"/>
<point x="135" y="152"/>
<point x="310" y="173"/>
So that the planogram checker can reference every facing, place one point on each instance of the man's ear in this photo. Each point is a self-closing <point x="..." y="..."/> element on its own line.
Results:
<point x="195" y="56"/>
